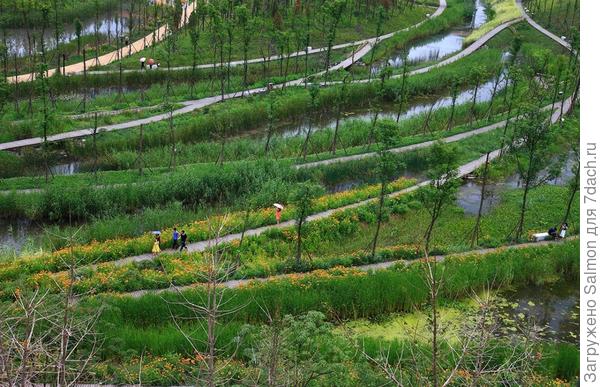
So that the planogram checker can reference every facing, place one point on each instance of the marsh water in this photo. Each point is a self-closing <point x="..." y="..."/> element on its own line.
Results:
<point x="15" y="234"/>
<point x="386" y="111"/>
<point x="438" y="46"/>
<point x="469" y="193"/>
<point x="109" y="24"/>
<point x="553" y="308"/>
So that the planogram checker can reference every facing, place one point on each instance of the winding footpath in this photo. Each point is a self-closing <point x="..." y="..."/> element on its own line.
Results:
<point x="462" y="171"/>
<point x="541" y="29"/>
<point x="155" y="36"/>
<point x="192" y="105"/>
<point x="233" y="284"/>
<point x="343" y="159"/>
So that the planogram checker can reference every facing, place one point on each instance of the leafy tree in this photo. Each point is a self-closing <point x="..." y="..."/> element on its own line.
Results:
<point x="303" y="199"/>
<point x="532" y="139"/>
<point x="387" y="166"/>
<point x="298" y="351"/>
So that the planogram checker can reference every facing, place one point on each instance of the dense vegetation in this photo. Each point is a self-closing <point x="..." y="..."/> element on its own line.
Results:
<point x="410" y="193"/>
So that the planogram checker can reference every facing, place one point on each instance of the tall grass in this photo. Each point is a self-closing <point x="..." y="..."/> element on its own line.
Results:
<point x="501" y="11"/>
<point x="346" y="294"/>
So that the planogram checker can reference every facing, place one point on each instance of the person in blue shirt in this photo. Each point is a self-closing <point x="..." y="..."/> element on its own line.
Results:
<point x="175" y="238"/>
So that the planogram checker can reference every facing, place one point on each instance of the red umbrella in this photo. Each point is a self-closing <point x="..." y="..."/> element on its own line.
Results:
<point x="150" y="61"/>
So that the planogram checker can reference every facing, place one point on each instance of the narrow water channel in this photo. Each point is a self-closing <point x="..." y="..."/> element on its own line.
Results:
<point x="438" y="46"/>
<point x="469" y="193"/>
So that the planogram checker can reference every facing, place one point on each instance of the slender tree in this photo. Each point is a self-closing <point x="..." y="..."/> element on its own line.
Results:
<point x="340" y="101"/>
<point x="78" y="29"/>
<point x="531" y="156"/>
<point x="482" y="196"/>
<point x="436" y="196"/>
<point x="387" y="166"/>
<point x="381" y="15"/>
<point x="314" y="108"/>
<point x="302" y="198"/>
<point x="401" y="95"/>
<point x="334" y="10"/>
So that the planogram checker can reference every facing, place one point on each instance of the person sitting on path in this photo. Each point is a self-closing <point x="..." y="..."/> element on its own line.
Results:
<point x="156" y="246"/>
<point x="563" y="230"/>
<point x="175" y="238"/>
<point x="183" y="238"/>
<point x="553" y="232"/>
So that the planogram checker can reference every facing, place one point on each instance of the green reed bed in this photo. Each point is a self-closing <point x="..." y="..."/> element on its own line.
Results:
<point x="348" y="294"/>
<point x="193" y="187"/>
<point x="341" y="240"/>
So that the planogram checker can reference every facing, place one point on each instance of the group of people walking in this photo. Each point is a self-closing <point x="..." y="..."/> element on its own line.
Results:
<point x="179" y="241"/>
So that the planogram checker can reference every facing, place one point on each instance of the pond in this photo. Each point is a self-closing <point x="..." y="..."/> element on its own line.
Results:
<point x="551" y="310"/>
<point x="14" y="235"/>
<point x="65" y="169"/>
<point x="554" y="308"/>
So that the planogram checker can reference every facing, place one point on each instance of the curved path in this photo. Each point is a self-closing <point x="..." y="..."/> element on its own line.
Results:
<point x="370" y="41"/>
<point x="192" y="105"/>
<point x="361" y="156"/>
<point x="541" y="29"/>
<point x="232" y="284"/>
<point x="156" y="36"/>
<point x="463" y="170"/>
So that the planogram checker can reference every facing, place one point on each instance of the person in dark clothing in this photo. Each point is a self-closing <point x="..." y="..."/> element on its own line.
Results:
<point x="183" y="238"/>
<point x="553" y="232"/>
<point x="175" y="238"/>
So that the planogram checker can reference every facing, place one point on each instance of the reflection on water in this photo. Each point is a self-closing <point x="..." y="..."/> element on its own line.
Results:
<point x="484" y="94"/>
<point x="436" y="47"/>
<point x="65" y="169"/>
<point x="479" y="16"/>
<point x="17" y="40"/>
<point x="15" y="234"/>
<point x="469" y="193"/>
<point x="431" y="49"/>
<point x="554" y="308"/>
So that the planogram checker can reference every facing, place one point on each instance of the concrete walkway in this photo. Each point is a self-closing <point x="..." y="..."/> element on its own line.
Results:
<point x="541" y="29"/>
<point x="559" y="109"/>
<point x="156" y="36"/>
<point x="463" y="170"/>
<point x="370" y="41"/>
<point x="206" y="244"/>
<point x="343" y="159"/>
<point x="193" y="105"/>
<point x="232" y="284"/>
